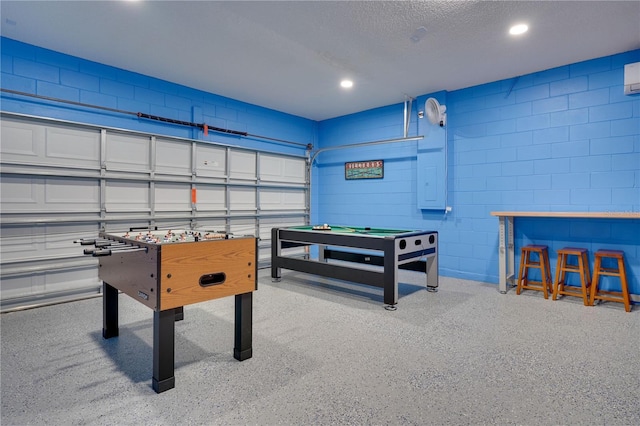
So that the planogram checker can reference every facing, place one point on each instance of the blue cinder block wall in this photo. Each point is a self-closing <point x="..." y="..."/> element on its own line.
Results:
<point x="564" y="139"/>
<point x="30" y="69"/>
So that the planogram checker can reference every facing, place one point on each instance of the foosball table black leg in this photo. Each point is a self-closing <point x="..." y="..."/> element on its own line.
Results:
<point x="243" y="326"/>
<point x="109" y="311"/>
<point x="180" y="313"/>
<point x="163" y="350"/>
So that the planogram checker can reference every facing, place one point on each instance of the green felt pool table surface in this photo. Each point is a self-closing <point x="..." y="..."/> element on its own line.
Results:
<point x="379" y="232"/>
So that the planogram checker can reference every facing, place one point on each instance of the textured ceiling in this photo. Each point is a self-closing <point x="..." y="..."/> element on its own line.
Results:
<point x="290" y="56"/>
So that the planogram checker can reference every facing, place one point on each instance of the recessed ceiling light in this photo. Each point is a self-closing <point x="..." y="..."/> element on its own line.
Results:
<point x="346" y="84"/>
<point x="518" y="29"/>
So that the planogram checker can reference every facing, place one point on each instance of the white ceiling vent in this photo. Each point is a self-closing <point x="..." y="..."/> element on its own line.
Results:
<point x="632" y="78"/>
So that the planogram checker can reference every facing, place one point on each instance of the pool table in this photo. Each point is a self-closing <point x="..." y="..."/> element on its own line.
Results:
<point x="353" y="247"/>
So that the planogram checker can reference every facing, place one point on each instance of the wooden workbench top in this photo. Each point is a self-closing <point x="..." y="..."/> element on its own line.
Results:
<point x="598" y="215"/>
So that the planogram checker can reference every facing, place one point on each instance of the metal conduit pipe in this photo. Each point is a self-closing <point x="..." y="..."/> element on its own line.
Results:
<point x="205" y="127"/>
<point x="355" y="145"/>
<point x="408" y="105"/>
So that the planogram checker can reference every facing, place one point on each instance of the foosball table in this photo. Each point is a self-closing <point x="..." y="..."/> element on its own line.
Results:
<point x="167" y="270"/>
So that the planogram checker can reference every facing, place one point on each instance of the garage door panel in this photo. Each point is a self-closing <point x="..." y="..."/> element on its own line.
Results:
<point x="243" y="165"/>
<point x="127" y="152"/>
<point x="79" y="195"/>
<point x="173" y="157"/>
<point x="21" y="141"/>
<point x="282" y="169"/>
<point x="29" y="194"/>
<point x="282" y="199"/>
<point x="242" y="199"/>
<point x="172" y="197"/>
<point x="211" y="198"/>
<point x="211" y="161"/>
<point x="72" y="147"/>
<point x="126" y="196"/>
<point x="19" y="193"/>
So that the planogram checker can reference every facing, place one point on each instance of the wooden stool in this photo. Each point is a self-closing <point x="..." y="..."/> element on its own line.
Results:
<point x="620" y="272"/>
<point x="545" y="284"/>
<point x="581" y="268"/>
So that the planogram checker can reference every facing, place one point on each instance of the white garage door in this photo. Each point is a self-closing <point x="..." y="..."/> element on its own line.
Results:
<point x="64" y="181"/>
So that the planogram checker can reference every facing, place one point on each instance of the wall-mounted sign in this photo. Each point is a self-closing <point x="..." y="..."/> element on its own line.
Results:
<point x="372" y="169"/>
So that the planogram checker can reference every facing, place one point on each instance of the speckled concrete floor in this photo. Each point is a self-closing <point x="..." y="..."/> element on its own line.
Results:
<point x="328" y="353"/>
